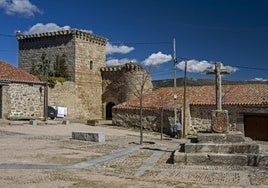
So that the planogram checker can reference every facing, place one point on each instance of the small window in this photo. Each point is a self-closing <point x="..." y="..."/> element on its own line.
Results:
<point x="91" y="65"/>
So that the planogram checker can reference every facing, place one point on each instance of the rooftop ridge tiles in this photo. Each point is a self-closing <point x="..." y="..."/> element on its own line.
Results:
<point x="11" y="73"/>
<point x="244" y="94"/>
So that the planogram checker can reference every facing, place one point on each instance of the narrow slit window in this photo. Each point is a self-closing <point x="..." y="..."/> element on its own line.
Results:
<point x="91" y="65"/>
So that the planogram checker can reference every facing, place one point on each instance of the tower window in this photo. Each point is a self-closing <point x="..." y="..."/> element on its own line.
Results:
<point x="91" y="65"/>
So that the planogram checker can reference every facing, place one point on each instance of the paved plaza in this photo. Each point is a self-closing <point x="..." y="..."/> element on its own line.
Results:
<point x="45" y="155"/>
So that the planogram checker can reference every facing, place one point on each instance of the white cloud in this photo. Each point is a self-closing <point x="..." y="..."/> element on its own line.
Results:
<point x="259" y="79"/>
<point x="111" y="49"/>
<point x="84" y="30"/>
<point x="196" y="66"/>
<point x="229" y="68"/>
<point x="157" y="59"/>
<point x="49" y="27"/>
<point x="113" y="62"/>
<point x="21" y="7"/>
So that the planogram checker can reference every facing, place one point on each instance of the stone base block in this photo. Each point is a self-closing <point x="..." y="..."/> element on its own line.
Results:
<point x="33" y="122"/>
<point x="227" y="148"/>
<point x="236" y="136"/>
<point x="65" y="122"/>
<point x="89" y="136"/>
<point x="232" y="137"/>
<point x="211" y="137"/>
<point x="93" y="122"/>
<point x="179" y="157"/>
<point x="263" y="160"/>
<point x="220" y="121"/>
<point x="97" y="122"/>
<point x="215" y="159"/>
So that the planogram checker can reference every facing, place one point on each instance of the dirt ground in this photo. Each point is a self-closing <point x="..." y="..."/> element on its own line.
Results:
<point x="43" y="155"/>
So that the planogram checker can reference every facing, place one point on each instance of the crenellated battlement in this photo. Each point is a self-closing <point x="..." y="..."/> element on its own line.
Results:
<point x="83" y="35"/>
<point x="126" y="67"/>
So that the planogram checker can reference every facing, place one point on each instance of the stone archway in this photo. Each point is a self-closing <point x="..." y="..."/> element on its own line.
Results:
<point x="109" y="107"/>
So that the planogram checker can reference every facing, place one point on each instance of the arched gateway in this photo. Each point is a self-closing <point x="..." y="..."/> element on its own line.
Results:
<point x="109" y="107"/>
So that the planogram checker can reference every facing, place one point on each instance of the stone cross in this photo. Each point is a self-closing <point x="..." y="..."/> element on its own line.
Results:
<point x="220" y="119"/>
<point x="218" y="71"/>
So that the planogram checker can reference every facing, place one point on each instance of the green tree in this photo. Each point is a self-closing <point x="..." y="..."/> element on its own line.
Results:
<point x="33" y="68"/>
<point x="44" y="70"/>
<point x="60" y="67"/>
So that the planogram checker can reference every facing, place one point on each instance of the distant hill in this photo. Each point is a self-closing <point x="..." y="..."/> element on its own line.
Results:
<point x="198" y="82"/>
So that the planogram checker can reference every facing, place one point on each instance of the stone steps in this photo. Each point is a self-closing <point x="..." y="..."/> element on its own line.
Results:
<point x="221" y="149"/>
<point x="220" y="159"/>
<point x="231" y="137"/>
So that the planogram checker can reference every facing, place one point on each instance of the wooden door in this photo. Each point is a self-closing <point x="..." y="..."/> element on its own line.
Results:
<point x="256" y="127"/>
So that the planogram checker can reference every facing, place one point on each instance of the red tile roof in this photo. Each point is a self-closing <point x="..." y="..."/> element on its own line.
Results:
<point x="13" y="74"/>
<point x="246" y="94"/>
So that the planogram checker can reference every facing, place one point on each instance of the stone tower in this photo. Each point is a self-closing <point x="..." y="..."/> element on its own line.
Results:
<point x="122" y="83"/>
<point x="84" y="55"/>
<point x="93" y="89"/>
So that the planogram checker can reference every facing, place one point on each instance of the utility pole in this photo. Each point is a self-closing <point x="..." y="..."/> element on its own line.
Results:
<point x="184" y="100"/>
<point x="175" y="81"/>
<point x="45" y="66"/>
<point x="46" y="94"/>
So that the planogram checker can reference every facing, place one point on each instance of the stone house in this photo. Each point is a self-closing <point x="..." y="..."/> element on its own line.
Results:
<point x="93" y="89"/>
<point x="21" y="94"/>
<point x="247" y="107"/>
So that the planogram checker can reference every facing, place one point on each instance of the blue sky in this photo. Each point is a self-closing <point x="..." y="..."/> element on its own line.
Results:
<point x="234" y="32"/>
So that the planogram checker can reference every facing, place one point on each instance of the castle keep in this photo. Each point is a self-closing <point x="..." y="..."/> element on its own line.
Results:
<point x="93" y="89"/>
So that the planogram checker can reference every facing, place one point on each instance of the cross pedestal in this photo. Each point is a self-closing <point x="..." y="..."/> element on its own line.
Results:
<point x="220" y="119"/>
<point x="223" y="147"/>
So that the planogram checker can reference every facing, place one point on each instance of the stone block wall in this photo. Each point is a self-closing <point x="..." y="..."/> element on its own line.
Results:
<point x="113" y="87"/>
<point x="23" y="101"/>
<point x="58" y="96"/>
<point x="122" y="83"/>
<point x="76" y="99"/>
<point x="151" y="119"/>
<point x="90" y="57"/>
<point x="134" y="80"/>
<point x="31" y="50"/>
<point x="201" y="116"/>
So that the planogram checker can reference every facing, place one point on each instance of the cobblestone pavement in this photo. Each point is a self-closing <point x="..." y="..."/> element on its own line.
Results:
<point x="123" y="157"/>
<point x="155" y="163"/>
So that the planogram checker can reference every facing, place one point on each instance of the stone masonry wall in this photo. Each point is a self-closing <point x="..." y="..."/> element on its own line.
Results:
<point x="90" y="57"/>
<point x="23" y="101"/>
<point x="134" y="80"/>
<point x="68" y="94"/>
<point x="122" y="83"/>
<point x="201" y="116"/>
<point x="113" y="87"/>
<point x="31" y="50"/>
<point x="58" y="96"/>
<point x="151" y="119"/>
